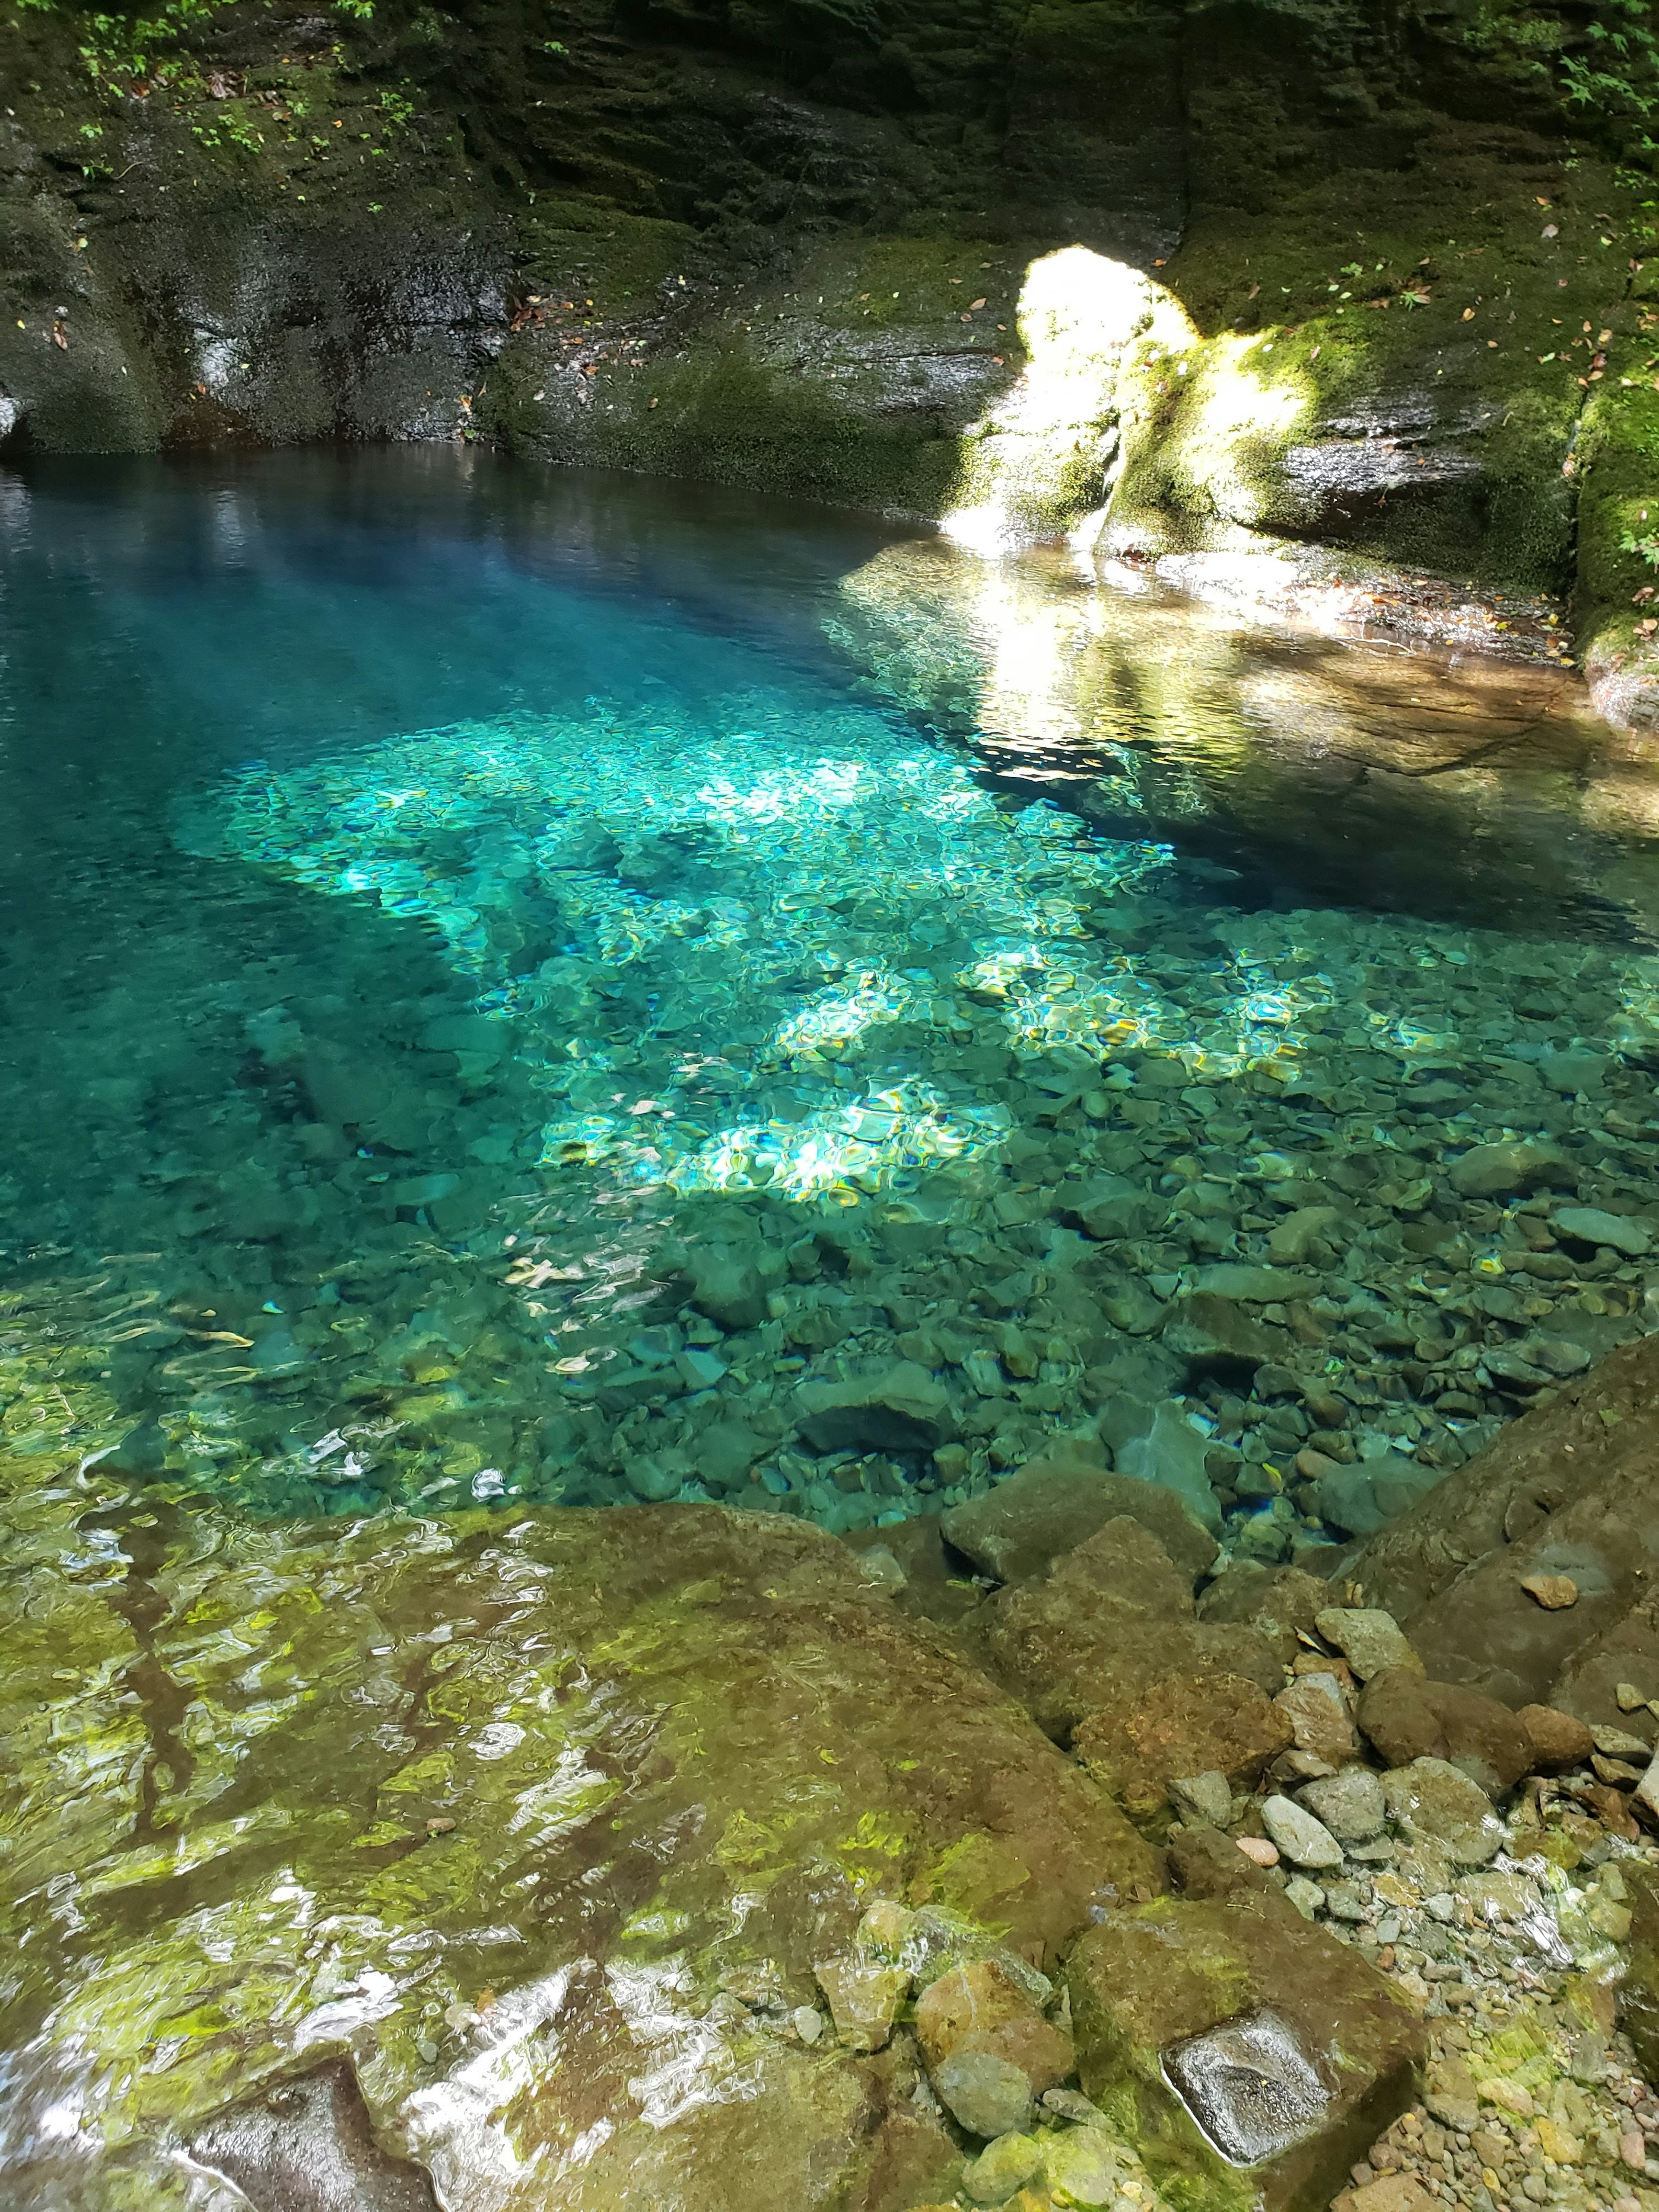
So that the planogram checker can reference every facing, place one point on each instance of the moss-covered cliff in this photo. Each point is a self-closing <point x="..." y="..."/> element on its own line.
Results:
<point x="1350" y="276"/>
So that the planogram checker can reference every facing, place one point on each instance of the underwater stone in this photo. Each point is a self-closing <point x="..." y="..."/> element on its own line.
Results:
<point x="903" y="1410"/>
<point x="1590" y="1224"/>
<point x="1363" y="1498"/>
<point x="1087" y="2167"/>
<point x="1205" y="1798"/>
<point x="863" y="1999"/>
<point x="1002" y="2167"/>
<point x="986" y="2094"/>
<point x="1213" y="1336"/>
<point x="1173" y="1455"/>
<point x="1406" y="1715"/>
<point x="1173" y="1723"/>
<point x="1434" y="1802"/>
<point x="732" y="1288"/>
<point x="1254" y="1996"/>
<point x="1049" y="1507"/>
<point x="1558" y="1740"/>
<point x="980" y="2007"/>
<point x="1350" y="1803"/>
<point x="1368" y="1639"/>
<point x="1301" y="1838"/>
<point x="1257" y="1285"/>
<point x="1494" y="1171"/>
<point x="307" y="2144"/>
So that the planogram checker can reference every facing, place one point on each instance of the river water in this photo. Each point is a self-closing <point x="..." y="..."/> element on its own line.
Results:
<point x="570" y="988"/>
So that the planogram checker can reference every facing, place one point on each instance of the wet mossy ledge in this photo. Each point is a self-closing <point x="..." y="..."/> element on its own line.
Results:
<point x="1336" y="287"/>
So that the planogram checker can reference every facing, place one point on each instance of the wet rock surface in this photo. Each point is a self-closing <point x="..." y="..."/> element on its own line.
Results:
<point x="474" y="1802"/>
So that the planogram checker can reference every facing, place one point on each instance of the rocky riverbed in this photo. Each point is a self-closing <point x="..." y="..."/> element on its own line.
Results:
<point x="688" y="1858"/>
<point x="791" y="1121"/>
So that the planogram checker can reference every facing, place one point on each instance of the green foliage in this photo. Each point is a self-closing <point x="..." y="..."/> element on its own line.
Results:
<point x="1604" y="71"/>
<point x="1647" y="547"/>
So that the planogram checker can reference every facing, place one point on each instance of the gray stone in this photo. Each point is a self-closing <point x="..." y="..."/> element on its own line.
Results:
<point x="1434" y="1802"/>
<point x="1361" y="1500"/>
<point x="1588" y="1225"/>
<point x="1230" y="1279"/>
<point x="1207" y="1798"/>
<point x="1344" y="1901"/>
<point x="1368" y="1639"/>
<point x="1172" y="1454"/>
<point x="1350" y="1803"/>
<point x="987" y="2095"/>
<point x="905" y="1409"/>
<point x="1301" y="1838"/>
<point x="1214" y="1335"/>
<point x="1250" y="2086"/>
<point x="1306" y="1896"/>
<point x="1494" y="1171"/>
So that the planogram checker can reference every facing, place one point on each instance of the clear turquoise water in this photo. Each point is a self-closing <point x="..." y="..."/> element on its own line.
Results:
<point x="502" y="1003"/>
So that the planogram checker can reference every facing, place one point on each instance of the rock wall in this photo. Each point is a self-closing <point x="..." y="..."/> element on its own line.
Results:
<point x="1329" y="277"/>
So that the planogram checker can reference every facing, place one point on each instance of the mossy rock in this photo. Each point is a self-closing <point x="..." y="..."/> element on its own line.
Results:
<point x="496" y="1806"/>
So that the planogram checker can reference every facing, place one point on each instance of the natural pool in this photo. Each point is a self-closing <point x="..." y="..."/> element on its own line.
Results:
<point x="575" y="990"/>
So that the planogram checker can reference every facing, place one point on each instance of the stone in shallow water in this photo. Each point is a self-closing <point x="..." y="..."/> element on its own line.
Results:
<point x="1494" y="1171"/>
<point x="1350" y="1803"/>
<point x="1002" y="2167"/>
<point x="1303" y="1839"/>
<point x="1590" y="1224"/>
<point x="1050" y="1508"/>
<point x="987" y="2095"/>
<point x="905" y="1409"/>
<point x="308" y="2146"/>
<point x="1368" y="1639"/>
<point x="1207" y="1798"/>
<point x="730" y="1649"/>
<point x="1173" y="1455"/>
<point x="1363" y="1499"/>
<point x="1434" y="1803"/>
<point x="1230" y="1279"/>
<point x="1250" y="2087"/>
<point x="1196" y="1976"/>
<point x="1406" y="1715"/>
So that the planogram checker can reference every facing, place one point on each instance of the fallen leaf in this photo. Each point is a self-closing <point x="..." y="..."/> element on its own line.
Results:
<point x="1551" y="230"/>
<point x="972" y="304"/>
<point x="1469" y="314"/>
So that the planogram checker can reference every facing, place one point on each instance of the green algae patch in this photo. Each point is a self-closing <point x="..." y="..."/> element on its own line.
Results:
<point x="406" y="1788"/>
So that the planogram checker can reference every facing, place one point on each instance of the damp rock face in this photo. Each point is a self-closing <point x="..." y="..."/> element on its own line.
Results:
<point x="476" y="1799"/>
<point x="1571" y="1489"/>
<point x="1257" y="2057"/>
<point x="307" y="2146"/>
<point x="1105" y="1651"/>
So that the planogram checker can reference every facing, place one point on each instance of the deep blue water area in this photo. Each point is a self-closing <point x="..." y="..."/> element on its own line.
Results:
<point x="564" y="987"/>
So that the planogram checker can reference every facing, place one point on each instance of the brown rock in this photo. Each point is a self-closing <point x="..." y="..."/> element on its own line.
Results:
<point x="1280" y="1602"/>
<point x="1557" y="1740"/>
<point x="1318" y="1718"/>
<point x="1108" y="1622"/>
<point x="980" y="2006"/>
<point x="1391" y="2192"/>
<point x="1050" y="1507"/>
<point x="1181" y="1724"/>
<point x="1553" y="1592"/>
<point x="784" y="1724"/>
<point x="1571" y="1489"/>
<point x="1148" y="1979"/>
<point x="1204" y="1862"/>
<point x="1407" y="1717"/>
